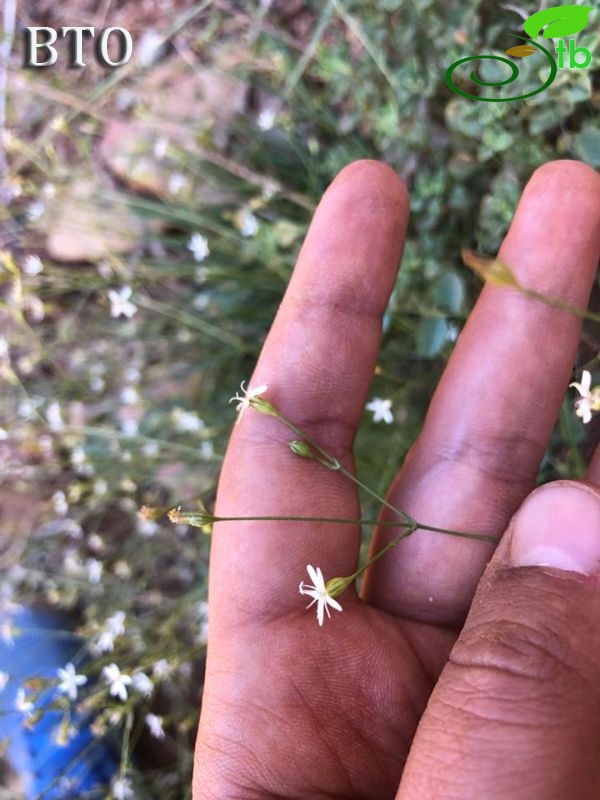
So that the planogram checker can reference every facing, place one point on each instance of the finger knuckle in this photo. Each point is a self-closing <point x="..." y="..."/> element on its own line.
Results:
<point x="524" y="640"/>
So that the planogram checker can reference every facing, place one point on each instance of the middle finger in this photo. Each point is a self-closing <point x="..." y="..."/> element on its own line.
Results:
<point x="494" y="410"/>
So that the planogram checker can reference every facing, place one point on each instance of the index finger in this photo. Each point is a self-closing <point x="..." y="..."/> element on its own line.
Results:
<point x="317" y="362"/>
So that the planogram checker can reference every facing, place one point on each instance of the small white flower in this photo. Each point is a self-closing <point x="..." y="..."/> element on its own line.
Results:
<point x="104" y="269"/>
<point x="266" y="119"/>
<point x="120" y="304"/>
<point x="129" y="395"/>
<point x="176" y="182"/>
<point x="117" y="681"/>
<point x="130" y="426"/>
<point x="269" y="190"/>
<point x="319" y="594"/>
<point x="590" y="398"/>
<point x="97" y="384"/>
<point x="54" y="417"/>
<point x="105" y="643"/>
<point x="35" y="211"/>
<point x="70" y="681"/>
<point x="155" y="726"/>
<point x="186" y="421"/>
<point x="198" y="246"/>
<point x="382" y="410"/>
<point x="78" y="456"/>
<point x="23" y="705"/>
<point x="247" y="223"/>
<point x="94" y="568"/>
<point x="13" y="187"/>
<point x="72" y="563"/>
<point x="243" y="401"/>
<point x="116" y="623"/>
<point x="151" y="449"/>
<point x="132" y="374"/>
<point x="207" y="450"/>
<point x="35" y="308"/>
<point x="25" y="365"/>
<point x="94" y="541"/>
<point x="122" y="789"/>
<point x="32" y="265"/>
<point x="26" y="409"/>
<point x="113" y="627"/>
<point x="161" y="669"/>
<point x="160" y="148"/>
<point x="147" y="528"/>
<point x="150" y="48"/>
<point x="452" y="332"/>
<point x="125" y="99"/>
<point x="4" y="679"/>
<point x="62" y="736"/>
<point x="122" y="570"/>
<point x="142" y="684"/>
<point x="100" y="487"/>
<point x="59" y="503"/>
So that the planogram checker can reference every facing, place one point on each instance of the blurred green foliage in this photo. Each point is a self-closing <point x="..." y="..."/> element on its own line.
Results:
<point x="352" y="79"/>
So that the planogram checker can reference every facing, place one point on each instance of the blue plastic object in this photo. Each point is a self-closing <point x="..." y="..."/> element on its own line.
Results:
<point x="84" y="767"/>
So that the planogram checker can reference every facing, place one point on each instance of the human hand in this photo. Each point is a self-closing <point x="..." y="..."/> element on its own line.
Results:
<point x="292" y="710"/>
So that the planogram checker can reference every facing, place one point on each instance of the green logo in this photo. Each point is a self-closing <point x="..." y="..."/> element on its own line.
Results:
<point x="556" y="22"/>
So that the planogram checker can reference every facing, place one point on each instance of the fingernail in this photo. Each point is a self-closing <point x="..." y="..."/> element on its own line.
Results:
<point x="558" y="526"/>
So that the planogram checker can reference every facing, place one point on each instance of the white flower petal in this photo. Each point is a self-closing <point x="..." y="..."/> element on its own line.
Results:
<point x="331" y="601"/>
<point x="258" y="390"/>
<point x="586" y="381"/>
<point x="312" y="573"/>
<point x="320" y="616"/>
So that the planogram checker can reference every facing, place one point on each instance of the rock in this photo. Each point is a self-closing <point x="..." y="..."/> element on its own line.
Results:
<point x="176" y="105"/>
<point x="80" y="226"/>
<point x="129" y="151"/>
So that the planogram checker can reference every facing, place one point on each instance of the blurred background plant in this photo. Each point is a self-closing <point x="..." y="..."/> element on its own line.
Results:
<point x="151" y="220"/>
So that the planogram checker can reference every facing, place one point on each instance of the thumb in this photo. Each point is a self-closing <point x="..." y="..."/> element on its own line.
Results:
<point x="516" y="712"/>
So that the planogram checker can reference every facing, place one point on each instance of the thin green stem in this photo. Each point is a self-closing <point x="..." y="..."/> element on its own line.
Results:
<point x="392" y="543"/>
<point x="397" y="539"/>
<point x="123" y="767"/>
<point x="497" y="273"/>
<point x="555" y="302"/>
<point x="295" y="518"/>
<point x="265" y="407"/>
<point x="391" y="523"/>
<point x="481" y="537"/>
<point x="568" y="431"/>
<point x="334" y="464"/>
<point x="202" y="518"/>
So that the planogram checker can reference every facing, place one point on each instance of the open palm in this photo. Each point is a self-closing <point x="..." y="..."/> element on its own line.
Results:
<point x="294" y="710"/>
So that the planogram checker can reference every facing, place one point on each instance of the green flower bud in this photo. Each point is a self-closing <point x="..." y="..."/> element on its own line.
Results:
<point x="259" y="404"/>
<point x="336" y="586"/>
<point x="491" y="270"/>
<point x="197" y="519"/>
<point x="301" y="448"/>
